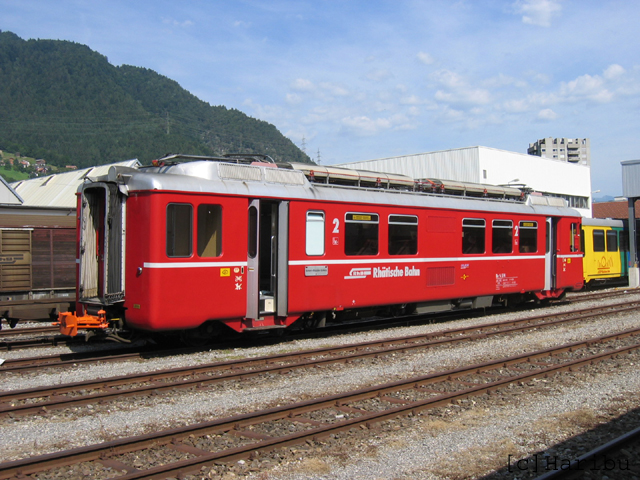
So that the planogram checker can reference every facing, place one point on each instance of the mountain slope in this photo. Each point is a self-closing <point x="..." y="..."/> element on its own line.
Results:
<point x="64" y="102"/>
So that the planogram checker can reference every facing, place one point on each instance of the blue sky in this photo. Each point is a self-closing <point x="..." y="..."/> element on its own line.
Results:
<point x="358" y="80"/>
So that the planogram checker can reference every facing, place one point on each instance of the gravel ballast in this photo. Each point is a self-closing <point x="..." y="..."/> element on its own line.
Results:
<point x="426" y="446"/>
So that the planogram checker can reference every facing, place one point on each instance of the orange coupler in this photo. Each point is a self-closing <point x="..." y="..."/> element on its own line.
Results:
<point x="69" y="323"/>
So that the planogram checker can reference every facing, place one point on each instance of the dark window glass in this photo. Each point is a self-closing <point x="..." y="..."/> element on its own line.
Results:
<point x="612" y="241"/>
<point x="502" y="232"/>
<point x="361" y="234"/>
<point x="528" y="237"/>
<point x="209" y="230"/>
<point x="403" y="235"/>
<point x="473" y="230"/>
<point x="179" y="228"/>
<point x="253" y="232"/>
<point x="598" y="240"/>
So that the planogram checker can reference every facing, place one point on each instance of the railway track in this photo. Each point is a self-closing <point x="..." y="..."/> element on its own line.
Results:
<point x="61" y="360"/>
<point x="43" y="399"/>
<point x="616" y="456"/>
<point x="186" y="450"/>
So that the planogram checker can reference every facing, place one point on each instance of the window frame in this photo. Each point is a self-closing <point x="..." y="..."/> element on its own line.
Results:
<point x="393" y="221"/>
<point x="319" y="240"/>
<point x="469" y="229"/>
<point x="495" y="228"/>
<point x="171" y="228"/>
<point x="363" y="233"/>
<point x="522" y="226"/>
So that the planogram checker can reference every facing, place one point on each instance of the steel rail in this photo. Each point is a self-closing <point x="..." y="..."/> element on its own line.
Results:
<point x="268" y="364"/>
<point x="573" y="469"/>
<point x="105" y="452"/>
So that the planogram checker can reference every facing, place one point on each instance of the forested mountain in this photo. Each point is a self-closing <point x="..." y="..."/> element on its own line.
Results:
<point x="65" y="103"/>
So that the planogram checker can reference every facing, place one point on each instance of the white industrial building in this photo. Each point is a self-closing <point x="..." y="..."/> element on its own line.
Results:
<point x="571" y="181"/>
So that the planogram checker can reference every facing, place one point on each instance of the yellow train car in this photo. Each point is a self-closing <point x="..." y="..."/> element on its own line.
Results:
<point x="604" y="244"/>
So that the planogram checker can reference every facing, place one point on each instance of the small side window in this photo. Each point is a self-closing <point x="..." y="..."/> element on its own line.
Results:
<point x="361" y="234"/>
<point x="209" y="231"/>
<point x="598" y="241"/>
<point x="473" y="235"/>
<point x="179" y="229"/>
<point x="315" y="233"/>
<point x="502" y="231"/>
<point x="403" y="235"/>
<point x="528" y="237"/>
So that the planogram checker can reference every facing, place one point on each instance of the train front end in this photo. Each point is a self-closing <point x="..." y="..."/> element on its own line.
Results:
<point x="99" y="259"/>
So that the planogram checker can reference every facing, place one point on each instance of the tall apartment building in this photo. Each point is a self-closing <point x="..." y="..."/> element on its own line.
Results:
<point x="572" y="150"/>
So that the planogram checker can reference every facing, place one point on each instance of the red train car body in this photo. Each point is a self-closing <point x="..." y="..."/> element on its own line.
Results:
<point x="187" y="246"/>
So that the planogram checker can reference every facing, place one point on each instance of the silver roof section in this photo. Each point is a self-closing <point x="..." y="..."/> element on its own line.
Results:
<point x="602" y="222"/>
<point x="270" y="182"/>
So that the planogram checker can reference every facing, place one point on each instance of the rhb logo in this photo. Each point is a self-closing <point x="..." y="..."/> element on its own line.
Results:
<point x="359" y="273"/>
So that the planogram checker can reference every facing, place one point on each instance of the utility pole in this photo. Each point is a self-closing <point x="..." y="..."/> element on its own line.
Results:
<point x="304" y="145"/>
<point x="319" y="157"/>
<point x="168" y="129"/>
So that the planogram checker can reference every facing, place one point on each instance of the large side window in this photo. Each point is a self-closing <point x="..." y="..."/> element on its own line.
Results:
<point x="502" y="232"/>
<point x="403" y="235"/>
<point x="473" y="235"/>
<point x="528" y="232"/>
<point x="179" y="228"/>
<point x="315" y="233"/>
<point x="361" y="234"/>
<point x="598" y="241"/>
<point x="209" y="230"/>
<point x="612" y="241"/>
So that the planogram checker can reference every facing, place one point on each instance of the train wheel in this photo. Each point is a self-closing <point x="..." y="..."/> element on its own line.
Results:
<point x="313" y="320"/>
<point x="199" y="337"/>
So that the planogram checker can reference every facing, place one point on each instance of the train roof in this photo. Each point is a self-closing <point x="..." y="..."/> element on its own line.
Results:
<point x="268" y="180"/>
<point x="602" y="222"/>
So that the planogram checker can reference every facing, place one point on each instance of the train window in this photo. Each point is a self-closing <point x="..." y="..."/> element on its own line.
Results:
<point x="361" y="234"/>
<point x="179" y="228"/>
<point x="528" y="233"/>
<point x="473" y="235"/>
<point x="209" y="230"/>
<point x="612" y="241"/>
<point x="598" y="241"/>
<point x="252" y="249"/>
<point x="315" y="233"/>
<point x="403" y="235"/>
<point x="502" y="232"/>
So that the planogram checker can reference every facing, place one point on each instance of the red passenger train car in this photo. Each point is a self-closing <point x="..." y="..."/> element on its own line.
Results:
<point x="189" y="246"/>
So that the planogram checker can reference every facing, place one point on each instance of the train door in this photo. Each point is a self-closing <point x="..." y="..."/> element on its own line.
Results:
<point x="267" y="259"/>
<point x="551" y="256"/>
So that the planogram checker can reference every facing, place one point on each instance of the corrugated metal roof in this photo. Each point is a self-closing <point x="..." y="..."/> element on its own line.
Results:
<point x="60" y="190"/>
<point x="461" y="164"/>
<point x="8" y="196"/>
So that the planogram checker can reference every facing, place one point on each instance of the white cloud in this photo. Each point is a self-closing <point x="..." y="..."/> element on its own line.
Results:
<point x="365" y="126"/>
<point x="537" y="12"/>
<point x="303" y="85"/>
<point x="425" y="58"/>
<point x="614" y="71"/>
<point x="547" y="114"/>
<point x="379" y="75"/>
